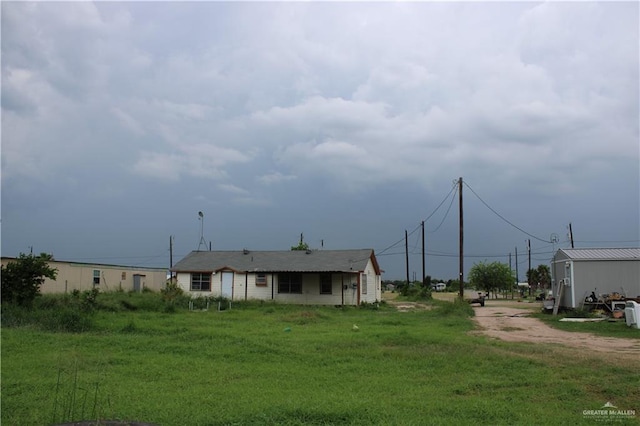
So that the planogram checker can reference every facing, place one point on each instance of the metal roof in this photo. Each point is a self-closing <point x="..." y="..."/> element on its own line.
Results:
<point x="278" y="261"/>
<point x="602" y="253"/>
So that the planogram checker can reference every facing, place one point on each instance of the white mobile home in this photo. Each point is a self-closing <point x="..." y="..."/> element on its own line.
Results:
<point x="601" y="271"/>
<point x="315" y="277"/>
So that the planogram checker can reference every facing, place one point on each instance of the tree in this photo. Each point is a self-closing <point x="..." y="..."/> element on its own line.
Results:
<point x="301" y="245"/>
<point x="22" y="278"/>
<point x="539" y="277"/>
<point x="491" y="277"/>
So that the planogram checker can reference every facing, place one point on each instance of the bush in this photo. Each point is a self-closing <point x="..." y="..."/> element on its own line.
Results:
<point x="416" y="293"/>
<point x="457" y="308"/>
<point x="22" y="278"/>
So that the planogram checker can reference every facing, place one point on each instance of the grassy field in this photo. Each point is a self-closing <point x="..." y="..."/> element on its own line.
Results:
<point x="276" y="364"/>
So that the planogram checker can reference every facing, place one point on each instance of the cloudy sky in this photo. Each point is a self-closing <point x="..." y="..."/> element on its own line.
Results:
<point x="347" y="122"/>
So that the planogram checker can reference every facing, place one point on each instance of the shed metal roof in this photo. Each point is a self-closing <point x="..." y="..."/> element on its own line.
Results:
<point x="278" y="261"/>
<point x="602" y="253"/>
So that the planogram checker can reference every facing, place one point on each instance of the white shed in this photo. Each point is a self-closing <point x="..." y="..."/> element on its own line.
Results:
<point x="583" y="271"/>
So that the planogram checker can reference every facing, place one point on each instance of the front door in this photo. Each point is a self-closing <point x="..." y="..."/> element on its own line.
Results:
<point x="227" y="285"/>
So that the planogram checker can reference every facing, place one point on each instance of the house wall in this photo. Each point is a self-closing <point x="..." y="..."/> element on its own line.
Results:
<point x="599" y="276"/>
<point x="374" y="285"/>
<point x="79" y="276"/>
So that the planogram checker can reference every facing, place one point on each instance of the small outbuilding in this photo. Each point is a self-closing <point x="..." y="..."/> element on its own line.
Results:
<point x="579" y="274"/>
<point x="316" y="277"/>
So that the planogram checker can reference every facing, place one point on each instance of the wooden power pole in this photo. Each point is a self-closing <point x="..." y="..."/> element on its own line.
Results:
<point x="424" y="277"/>
<point x="461" y="272"/>
<point x="406" y="252"/>
<point x="571" y="234"/>
<point x="170" y="251"/>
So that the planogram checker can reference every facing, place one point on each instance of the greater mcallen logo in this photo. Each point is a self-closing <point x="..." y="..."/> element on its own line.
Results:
<point x="608" y="413"/>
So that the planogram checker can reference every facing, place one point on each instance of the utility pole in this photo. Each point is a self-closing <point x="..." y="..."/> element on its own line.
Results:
<point x="424" y="277"/>
<point x="517" y="276"/>
<point x="529" y="270"/>
<point x="406" y="252"/>
<point x="511" y="270"/>
<point x="170" y="251"/>
<point x="461" y="272"/>
<point x="571" y="234"/>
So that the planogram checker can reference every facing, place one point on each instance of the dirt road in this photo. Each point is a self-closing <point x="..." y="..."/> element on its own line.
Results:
<point x="515" y="325"/>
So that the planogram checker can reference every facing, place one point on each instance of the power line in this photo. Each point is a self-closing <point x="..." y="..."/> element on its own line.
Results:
<point x="503" y="218"/>
<point x="381" y="252"/>
<point x="453" y="187"/>
<point x="453" y="197"/>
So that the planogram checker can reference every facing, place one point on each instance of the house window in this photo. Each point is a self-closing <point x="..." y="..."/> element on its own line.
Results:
<point x="124" y="276"/>
<point x="96" y="276"/>
<point x="261" y="279"/>
<point x="290" y="283"/>
<point x="363" y="283"/>
<point x="200" y="282"/>
<point x="325" y="284"/>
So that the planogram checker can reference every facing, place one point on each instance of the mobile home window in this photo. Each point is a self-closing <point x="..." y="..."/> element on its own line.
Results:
<point x="200" y="282"/>
<point x="261" y="279"/>
<point x="96" y="276"/>
<point x="290" y="283"/>
<point x="363" y="283"/>
<point x="325" y="283"/>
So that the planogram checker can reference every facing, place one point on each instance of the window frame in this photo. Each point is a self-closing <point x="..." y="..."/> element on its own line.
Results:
<point x="287" y="281"/>
<point x="326" y="279"/>
<point x="96" y="277"/>
<point x="200" y="280"/>
<point x="363" y="283"/>
<point x="261" y="280"/>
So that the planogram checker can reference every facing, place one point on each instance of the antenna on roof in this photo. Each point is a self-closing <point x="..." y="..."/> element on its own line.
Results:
<point x="202" y="240"/>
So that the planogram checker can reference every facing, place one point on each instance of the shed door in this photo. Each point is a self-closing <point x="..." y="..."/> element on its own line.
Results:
<point x="227" y="284"/>
<point x="137" y="282"/>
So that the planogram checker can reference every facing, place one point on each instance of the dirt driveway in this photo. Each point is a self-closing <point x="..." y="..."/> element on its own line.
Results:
<point x="513" y="324"/>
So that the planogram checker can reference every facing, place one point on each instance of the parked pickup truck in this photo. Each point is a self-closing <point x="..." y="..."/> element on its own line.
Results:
<point x="476" y="299"/>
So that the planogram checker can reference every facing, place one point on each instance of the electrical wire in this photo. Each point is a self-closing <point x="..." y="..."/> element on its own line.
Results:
<point x="503" y="218"/>
<point x="453" y="187"/>
<point x="381" y="252"/>
<point x="447" y="212"/>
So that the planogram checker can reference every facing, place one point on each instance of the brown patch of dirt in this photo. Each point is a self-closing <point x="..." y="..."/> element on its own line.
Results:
<point x="515" y="325"/>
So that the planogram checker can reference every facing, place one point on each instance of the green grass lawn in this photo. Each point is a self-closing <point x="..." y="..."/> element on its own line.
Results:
<point x="276" y="364"/>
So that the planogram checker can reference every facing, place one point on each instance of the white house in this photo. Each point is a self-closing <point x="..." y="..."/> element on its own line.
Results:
<point x="315" y="277"/>
<point x="599" y="270"/>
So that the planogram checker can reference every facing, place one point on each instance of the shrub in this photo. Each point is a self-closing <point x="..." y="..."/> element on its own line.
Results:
<point x="22" y="278"/>
<point x="457" y="308"/>
<point x="416" y="293"/>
